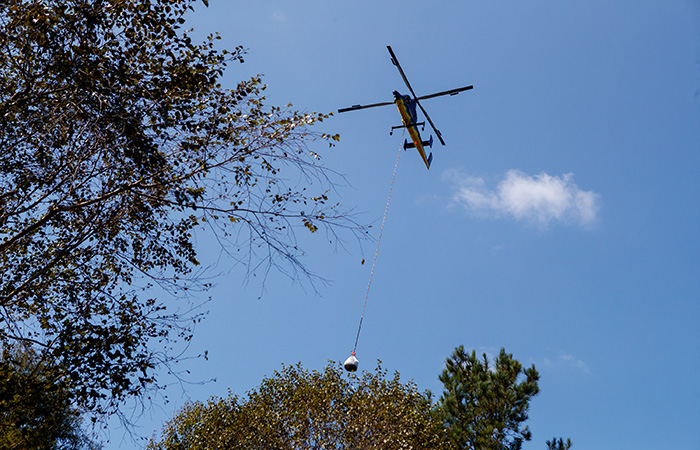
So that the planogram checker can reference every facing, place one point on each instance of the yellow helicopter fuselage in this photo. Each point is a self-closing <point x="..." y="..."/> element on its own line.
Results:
<point x="407" y="109"/>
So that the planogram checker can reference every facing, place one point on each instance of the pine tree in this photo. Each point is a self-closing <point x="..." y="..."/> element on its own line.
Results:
<point x="558" y="444"/>
<point x="485" y="404"/>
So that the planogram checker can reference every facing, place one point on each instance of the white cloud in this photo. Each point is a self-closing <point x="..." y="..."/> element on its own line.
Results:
<point x="541" y="199"/>
<point x="279" y="16"/>
<point x="566" y="361"/>
<point x="573" y="362"/>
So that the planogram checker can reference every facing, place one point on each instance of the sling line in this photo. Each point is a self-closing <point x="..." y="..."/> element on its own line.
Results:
<point x="381" y="231"/>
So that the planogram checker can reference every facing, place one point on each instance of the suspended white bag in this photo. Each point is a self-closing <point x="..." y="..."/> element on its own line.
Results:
<point x="351" y="363"/>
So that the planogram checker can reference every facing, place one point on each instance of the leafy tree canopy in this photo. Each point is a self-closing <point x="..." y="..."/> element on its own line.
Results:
<point x="35" y="408"/>
<point x="485" y="404"/>
<point x="117" y="143"/>
<point x="300" y="409"/>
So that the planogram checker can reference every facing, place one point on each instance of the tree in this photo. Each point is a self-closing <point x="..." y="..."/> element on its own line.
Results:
<point x="485" y="405"/>
<point x="297" y="409"/>
<point x="35" y="409"/>
<point x="559" y="444"/>
<point x="117" y="144"/>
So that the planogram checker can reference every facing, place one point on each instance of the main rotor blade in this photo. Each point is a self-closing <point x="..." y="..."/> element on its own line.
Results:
<point x="450" y="92"/>
<point x="356" y="107"/>
<point x="408" y="85"/>
<point x="395" y="61"/>
<point x="437" y="132"/>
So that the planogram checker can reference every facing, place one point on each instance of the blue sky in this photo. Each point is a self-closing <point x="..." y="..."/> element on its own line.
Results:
<point x="560" y="221"/>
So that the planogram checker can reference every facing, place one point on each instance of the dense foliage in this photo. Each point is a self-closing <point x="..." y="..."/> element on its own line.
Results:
<point x="485" y="405"/>
<point x="297" y="409"/>
<point x="117" y="142"/>
<point x="35" y="407"/>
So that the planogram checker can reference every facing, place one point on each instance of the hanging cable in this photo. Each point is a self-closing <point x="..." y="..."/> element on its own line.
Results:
<point x="381" y="231"/>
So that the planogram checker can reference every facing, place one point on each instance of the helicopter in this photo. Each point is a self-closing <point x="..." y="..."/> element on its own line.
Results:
<point x="406" y="105"/>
